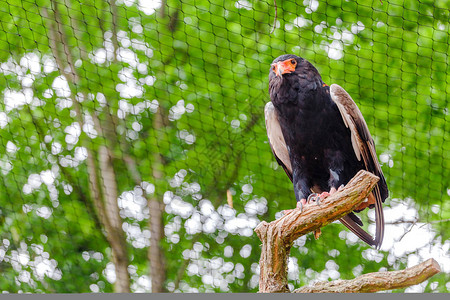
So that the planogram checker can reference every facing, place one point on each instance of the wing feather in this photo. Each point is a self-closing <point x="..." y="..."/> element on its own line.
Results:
<point x="276" y="139"/>
<point x="364" y="148"/>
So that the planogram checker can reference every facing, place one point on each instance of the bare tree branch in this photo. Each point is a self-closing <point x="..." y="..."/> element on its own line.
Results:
<point x="162" y="9"/>
<point x="277" y="237"/>
<point x="115" y="232"/>
<point x="52" y="40"/>
<point x="71" y="73"/>
<point x="113" y="222"/>
<point x="173" y="19"/>
<point x="415" y="221"/>
<point x="114" y="39"/>
<point x="276" y="16"/>
<point x="378" y="281"/>
<point x="156" y="207"/>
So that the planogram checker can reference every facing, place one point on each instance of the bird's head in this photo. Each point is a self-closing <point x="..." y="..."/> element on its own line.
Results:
<point x="289" y="64"/>
<point x="284" y="64"/>
<point x="291" y="76"/>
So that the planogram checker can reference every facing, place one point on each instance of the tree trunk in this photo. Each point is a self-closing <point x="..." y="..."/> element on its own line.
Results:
<point x="156" y="207"/>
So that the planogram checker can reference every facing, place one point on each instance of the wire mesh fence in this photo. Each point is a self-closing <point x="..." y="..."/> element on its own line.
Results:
<point x="133" y="149"/>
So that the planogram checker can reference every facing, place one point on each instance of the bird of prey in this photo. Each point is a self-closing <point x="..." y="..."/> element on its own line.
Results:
<point x="320" y="138"/>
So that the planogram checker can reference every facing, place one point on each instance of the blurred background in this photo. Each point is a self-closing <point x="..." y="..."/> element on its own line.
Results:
<point x="133" y="151"/>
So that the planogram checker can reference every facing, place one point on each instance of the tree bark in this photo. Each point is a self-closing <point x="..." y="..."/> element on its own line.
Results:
<point x="378" y="281"/>
<point x="278" y="236"/>
<point x="115" y="234"/>
<point x="156" y="224"/>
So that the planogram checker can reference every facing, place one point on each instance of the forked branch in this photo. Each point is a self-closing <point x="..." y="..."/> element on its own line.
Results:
<point x="278" y="236"/>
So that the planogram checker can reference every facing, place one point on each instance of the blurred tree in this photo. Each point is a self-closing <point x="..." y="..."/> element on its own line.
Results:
<point x="124" y="124"/>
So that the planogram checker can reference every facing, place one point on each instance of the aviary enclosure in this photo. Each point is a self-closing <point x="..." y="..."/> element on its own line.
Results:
<point x="134" y="155"/>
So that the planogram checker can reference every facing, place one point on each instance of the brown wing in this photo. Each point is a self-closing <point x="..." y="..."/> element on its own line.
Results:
<point x="364" y="148"/>
<point x="276" y="139"/>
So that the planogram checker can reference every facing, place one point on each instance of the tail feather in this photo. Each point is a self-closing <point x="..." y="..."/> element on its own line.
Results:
<point x="379" y="218"/>
<point x="355" y="218"/>
<point x="352" y="222"/>
<point x="356" y="229"/>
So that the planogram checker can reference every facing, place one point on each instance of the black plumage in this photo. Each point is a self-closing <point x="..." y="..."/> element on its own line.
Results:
<point x="320" y="138"/>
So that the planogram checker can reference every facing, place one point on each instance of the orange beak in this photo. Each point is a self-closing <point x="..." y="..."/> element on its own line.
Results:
<point x="283" y="67"/>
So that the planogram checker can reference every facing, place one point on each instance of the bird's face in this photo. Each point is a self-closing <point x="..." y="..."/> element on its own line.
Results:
<point x="284" y="64"/>
<point x="283" y="67"/>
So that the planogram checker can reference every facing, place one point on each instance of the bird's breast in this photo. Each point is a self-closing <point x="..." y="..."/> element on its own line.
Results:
<point x="309" y="134"/>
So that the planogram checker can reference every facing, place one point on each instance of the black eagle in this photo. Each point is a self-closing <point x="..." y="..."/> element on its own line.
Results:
<point x="320" y="138"/>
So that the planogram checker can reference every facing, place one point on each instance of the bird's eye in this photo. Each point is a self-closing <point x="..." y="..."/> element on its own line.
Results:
<point x="293" y="61"/>
<point x="273" y="68"/>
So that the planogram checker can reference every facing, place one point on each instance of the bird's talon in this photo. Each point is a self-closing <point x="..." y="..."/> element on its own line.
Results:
<point x="324" y="195"/>
<point x="313" y="196"/>
<point x="300" y="204"/>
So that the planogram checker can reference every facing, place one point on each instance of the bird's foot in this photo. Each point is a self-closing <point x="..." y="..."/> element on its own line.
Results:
<point x="333" y="189"/>
<point x="318" y="197"/>
<point x="300" y="205"/>
<point x="312" y="197"/>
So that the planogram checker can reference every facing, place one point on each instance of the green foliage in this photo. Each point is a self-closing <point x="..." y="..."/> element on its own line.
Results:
<point x="205" y="64"/>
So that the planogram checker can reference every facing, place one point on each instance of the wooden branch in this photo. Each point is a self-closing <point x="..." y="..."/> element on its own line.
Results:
<point x="276" y="16"/>
<point x="72" y="74"/>
<point x="114" y="15"/>
<point x="277" y="237"/>
<point x="116" y="235"/>
<point x="378" y="281"/>
<point x="156" y="206"/>
<point x="104" y="194"/>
